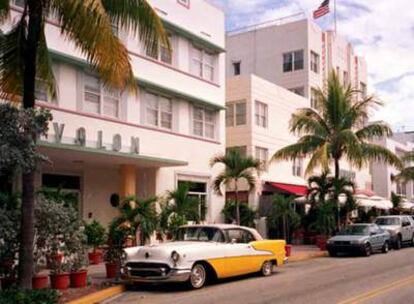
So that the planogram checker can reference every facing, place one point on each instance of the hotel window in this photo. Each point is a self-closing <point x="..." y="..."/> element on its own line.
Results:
<point x="314" y="62"/>
<point x="346" y="78"/>
<point x="236" y="68"/>
<point x="204" y="122"/>
<point x="202" y="63"/>
<point x="313" y="99"/>
<point x="261" y="114"/>
<point x="236" y="114"/>
<point x="161" y="51"/>
<point x="98" y="99"/>
<point x="299" y="91"/>
<point x="297" y="167"/>
<point x="41" y="93"/>
<point x="262" y="155"/>
<point x="19" y="3"/>
<point x="293" y="61"/>
<point x="241" y="149"/>
<point x="197" y="191"/>
<point x="363" y="89"/>
<point x="401" y="188"/>
<point x="158" y="111"/>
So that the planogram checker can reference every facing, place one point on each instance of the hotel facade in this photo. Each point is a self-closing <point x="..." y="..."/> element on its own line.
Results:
<point x="279" y="72"/>
<point x="103" y="143"/>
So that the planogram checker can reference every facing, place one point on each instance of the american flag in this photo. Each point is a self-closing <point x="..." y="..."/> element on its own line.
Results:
<point x="322" y="10"/>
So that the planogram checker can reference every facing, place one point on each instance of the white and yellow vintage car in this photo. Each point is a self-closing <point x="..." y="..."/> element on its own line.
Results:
<point x="200" y="253"/>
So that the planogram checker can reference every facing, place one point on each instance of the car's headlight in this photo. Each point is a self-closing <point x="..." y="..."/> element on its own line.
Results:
<point x="330" y="242"/>
<point x="175" y="256"/>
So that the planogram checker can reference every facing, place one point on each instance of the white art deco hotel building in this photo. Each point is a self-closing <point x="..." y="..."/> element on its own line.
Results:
<point x="103" y="142"/>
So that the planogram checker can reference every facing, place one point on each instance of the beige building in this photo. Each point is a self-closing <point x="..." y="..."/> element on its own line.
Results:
<point x="401" y="143"/>
<point x="297" y="56"/>
<point x="271" y="72"/>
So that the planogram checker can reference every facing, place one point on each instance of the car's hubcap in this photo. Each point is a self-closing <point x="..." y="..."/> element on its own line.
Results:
<point x="198" y="276"/>
<point x="267" y="268"/>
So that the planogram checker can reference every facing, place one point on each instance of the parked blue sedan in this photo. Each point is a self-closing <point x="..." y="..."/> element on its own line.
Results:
<point x="360" y="239"/>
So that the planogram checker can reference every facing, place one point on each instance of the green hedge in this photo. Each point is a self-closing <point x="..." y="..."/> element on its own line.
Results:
<point x="45" y="296"/>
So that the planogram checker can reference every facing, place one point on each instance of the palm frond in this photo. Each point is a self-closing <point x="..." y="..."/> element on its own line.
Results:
<point x="12" y="58"/>
<point x="373" y="130"/>
<point x="250" y="179"/>
<point x="381" y="154"/>
<point x="220" y="180"/>
<point x="139" y="17"/>
<point x="88" y="25"/>
<point x="319" y="158"/>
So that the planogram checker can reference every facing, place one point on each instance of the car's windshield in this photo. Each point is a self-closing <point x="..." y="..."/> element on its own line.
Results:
<point x="355" y="230"/>
<point x="387" y="221"/>
<point x="200" y="234"/>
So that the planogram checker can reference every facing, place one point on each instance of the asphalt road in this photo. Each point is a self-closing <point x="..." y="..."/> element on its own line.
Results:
<point x="381" y="278"/>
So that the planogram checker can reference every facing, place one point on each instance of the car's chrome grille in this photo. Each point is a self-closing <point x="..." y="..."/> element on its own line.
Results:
<point x="143" y="270"/>
<point x="342" y="242"/>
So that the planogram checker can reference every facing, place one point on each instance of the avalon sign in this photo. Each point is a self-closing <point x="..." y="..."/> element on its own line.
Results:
<point x="80" y="139"/>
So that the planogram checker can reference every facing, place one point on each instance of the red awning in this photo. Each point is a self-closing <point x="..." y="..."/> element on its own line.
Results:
<point x="290" y="189"/>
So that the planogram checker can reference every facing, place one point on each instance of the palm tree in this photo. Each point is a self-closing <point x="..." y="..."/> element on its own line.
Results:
<point x="139" y="214"/>
<point x="336" y="129"/>
<point x="24" y="57"/>
<point x="324" y="188"/>
<point x="181" y="205"/>
<point x="283" y="216"/>
<point x="237" y="167"/>
<point x="407" y="172"/>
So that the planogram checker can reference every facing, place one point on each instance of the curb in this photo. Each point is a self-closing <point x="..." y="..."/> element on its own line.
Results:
<point x="305" y="257"/>
<point x="100" y="295"/>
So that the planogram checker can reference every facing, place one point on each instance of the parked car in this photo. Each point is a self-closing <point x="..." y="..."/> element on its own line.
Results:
<point x="203" y="252"/>
<point x="359" y="238"/>
<point x="400" y="227"/>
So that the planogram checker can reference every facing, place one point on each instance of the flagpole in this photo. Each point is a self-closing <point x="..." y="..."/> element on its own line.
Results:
<point x="335" y="16"/>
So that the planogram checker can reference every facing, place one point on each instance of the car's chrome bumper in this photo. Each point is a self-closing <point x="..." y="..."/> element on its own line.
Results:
<point x="174" y="275"/>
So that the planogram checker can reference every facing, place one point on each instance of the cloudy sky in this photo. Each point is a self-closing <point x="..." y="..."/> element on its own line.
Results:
<point x="381" y="30"/>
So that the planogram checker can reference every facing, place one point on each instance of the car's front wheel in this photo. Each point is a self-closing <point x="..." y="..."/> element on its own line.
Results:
<point x="267" y="268"/>
<point x="385" y="247"/>
<point x="198" y="276"/>
<point x="398" y="243"/>
<point x="367" y="250"/>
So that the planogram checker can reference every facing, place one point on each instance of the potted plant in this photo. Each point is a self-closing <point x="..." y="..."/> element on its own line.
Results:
<point x="324" y="223"/>
<point x="95" y="235"/>
<point x="39" y="280"/>
<point x="117" y="233"/>
<point x="77" y="250"/>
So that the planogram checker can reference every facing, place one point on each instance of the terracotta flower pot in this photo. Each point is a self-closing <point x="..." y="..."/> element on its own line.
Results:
<point x="288" y="249"/>
<point x="111" y="270"/>
<point x="60" y="281"/>
<point x="79" y="278"/>
<point x="40" y="281"/>
<point x="95" y="257"/>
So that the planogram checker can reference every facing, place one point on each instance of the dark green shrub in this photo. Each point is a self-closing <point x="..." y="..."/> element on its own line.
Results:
<point x="46" y="296"/>
<point x="95" y="234"/>
<point x="247" y="215"/>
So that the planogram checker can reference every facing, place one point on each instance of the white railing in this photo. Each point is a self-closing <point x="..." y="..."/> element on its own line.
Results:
<point x="273" y="22"/>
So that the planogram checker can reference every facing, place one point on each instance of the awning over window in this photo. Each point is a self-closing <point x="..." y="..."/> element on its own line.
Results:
<point x="298" y="190"/>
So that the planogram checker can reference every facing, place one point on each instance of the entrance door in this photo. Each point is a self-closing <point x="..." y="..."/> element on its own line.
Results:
<point x="65" y="187"/>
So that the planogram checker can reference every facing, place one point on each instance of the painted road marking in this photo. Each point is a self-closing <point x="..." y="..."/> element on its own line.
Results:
<point x="378" y="291"/>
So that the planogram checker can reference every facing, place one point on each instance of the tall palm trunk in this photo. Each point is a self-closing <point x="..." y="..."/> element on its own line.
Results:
<point x="25" y="268"/>
<point x="236" y="193"/>
<point x="336" y="197"/>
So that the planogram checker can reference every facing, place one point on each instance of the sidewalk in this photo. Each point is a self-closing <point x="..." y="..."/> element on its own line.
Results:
<point x="305" y="252"/>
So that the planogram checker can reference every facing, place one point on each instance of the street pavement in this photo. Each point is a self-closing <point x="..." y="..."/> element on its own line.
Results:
<point x="381" y="278"/>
